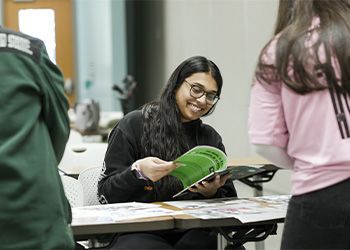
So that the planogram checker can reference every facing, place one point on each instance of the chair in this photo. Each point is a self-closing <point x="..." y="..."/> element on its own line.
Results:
<point x="78" y="157"/>
<point x="89" y="179"/>
<point x="73" y="190"/>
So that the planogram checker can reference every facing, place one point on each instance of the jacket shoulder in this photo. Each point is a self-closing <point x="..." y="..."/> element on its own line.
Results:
<point x="20" y="43"/>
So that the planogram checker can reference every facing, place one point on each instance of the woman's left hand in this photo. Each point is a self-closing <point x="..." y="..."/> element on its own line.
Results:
<point x="209" y="189"/>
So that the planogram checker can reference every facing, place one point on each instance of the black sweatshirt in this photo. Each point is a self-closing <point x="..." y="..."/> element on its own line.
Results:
<point x="119" y="184"/>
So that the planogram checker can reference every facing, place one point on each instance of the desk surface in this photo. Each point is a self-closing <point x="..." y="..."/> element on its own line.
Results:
<point x="193" y="214"/>
<point x="120" y="217"/>
<point x="254" y="160"/>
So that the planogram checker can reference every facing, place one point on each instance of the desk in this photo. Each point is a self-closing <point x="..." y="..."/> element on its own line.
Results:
<point x="80" y="156"/>
<point x="253" y="218"/>
<point x="249" y="231"/>
<point x="254" y="160"/>
<point x="115" y="218"/>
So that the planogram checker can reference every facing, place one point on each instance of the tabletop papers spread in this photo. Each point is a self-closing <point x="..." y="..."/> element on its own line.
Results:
<point x="111" y="213"/>
<point x="244" y="209"/>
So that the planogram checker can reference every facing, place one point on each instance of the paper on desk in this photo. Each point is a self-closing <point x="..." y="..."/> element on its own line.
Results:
<point x="142" y="213"/>
<point x="118" y="212"/>
<point x="90" y="217"/>
<point x="103" y="213"/>
<point x="246" y="210"/>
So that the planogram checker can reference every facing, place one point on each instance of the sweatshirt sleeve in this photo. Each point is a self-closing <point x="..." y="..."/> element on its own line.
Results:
<point x="54" y="104"/>
<point x="117" y="182"/>
<point x="266" y="123"/>
<point x="274" y="154"/>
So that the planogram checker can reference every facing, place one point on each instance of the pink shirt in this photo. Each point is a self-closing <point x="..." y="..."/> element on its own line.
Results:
<point x="306" y="126"/>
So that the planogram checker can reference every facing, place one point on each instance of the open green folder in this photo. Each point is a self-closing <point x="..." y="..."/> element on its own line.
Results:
<point x="203" y="163"/>
<point x="198" y="164"/>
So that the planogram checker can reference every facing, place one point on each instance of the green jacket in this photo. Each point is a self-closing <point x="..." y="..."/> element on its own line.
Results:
<point x="34" y="129"/>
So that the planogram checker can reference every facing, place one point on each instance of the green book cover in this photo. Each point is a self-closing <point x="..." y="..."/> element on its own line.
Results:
<point x="203" y="163"/>
<point x="198" y="164"/>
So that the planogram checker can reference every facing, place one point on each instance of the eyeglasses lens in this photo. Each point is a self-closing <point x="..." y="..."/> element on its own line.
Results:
<point x="198" y="92"/>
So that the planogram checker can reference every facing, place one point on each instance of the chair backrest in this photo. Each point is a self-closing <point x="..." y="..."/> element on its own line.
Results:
<point x="78" y="157"/>
<point x="73" y="190"/>
<point x="89" y="179"/>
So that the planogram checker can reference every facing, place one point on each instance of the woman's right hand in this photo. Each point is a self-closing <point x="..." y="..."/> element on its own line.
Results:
<point x="154" y="168"/>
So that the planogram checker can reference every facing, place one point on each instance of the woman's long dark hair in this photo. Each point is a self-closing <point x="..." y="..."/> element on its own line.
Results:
<point x="163" y="134"/>
<point x="293" y="25"/>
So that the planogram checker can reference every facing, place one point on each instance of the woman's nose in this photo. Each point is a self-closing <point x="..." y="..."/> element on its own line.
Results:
<point x="202" y="99"/>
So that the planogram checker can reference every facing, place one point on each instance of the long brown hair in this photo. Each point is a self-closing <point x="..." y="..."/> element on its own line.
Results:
<point x="293" y="28"/>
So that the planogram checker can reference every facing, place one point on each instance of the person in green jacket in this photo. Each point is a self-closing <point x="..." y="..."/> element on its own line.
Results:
<point x="34" y="212"/>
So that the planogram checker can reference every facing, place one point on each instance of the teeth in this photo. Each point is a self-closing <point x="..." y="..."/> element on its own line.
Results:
<point x="195" y="108"/>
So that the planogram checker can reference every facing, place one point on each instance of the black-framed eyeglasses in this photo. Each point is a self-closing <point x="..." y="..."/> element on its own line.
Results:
<point x="197" y="92"/>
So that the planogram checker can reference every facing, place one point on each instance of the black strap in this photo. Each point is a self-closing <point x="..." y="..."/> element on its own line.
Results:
<point x="337" y="100"/>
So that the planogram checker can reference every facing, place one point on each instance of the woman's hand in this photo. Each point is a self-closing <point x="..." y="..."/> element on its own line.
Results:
<point x="209" y="189"/>
<point x="154" y="168"/>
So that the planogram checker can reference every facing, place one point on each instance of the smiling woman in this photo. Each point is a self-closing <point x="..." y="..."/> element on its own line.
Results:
<point x="143" y="145"/>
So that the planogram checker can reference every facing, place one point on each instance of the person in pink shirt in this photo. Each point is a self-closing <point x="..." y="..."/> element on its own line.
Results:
<point x="299" y="118"/>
